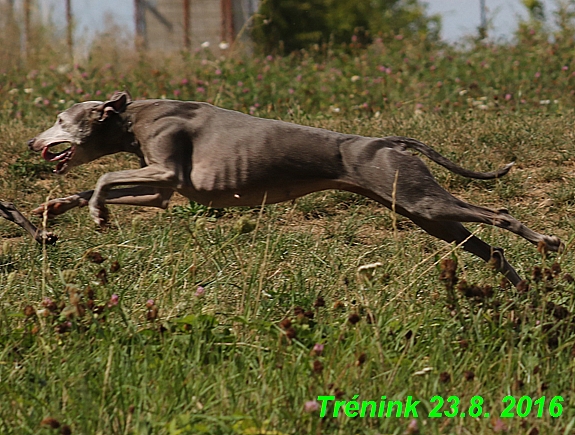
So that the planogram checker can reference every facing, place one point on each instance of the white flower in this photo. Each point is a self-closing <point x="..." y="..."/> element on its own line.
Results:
<point x="544" y="102"/>
<point x="424" y="371"/>
<point x="224" y="45"/>
<point x="205" y="44"/>
<point x="355" y="79"/>
<point x="367" y="271"/>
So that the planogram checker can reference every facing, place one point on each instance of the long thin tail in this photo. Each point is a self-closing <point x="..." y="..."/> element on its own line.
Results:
<point x="445" y="162"/>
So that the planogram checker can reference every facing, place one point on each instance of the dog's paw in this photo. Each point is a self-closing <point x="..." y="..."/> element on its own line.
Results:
<point x="52" y="210"/>
<point x="57" y="206"/>
<point x="550" y="244"/>
<point x="555" y="244"/>
<point x="46" y="237"/>
<point x="99" y="215"/>
<point x="38" y="210"/>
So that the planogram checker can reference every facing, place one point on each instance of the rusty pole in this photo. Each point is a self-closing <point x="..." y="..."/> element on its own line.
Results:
<point x="69" y="29"/>
<point x="227" y="31"/>
<point x="483" y="18"/>
<point x="140" y="18"/>
<point x="27" y="27"/>
<point x="187" y="39"/>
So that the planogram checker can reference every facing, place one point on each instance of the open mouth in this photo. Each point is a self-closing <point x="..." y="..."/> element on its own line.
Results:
<point x="61" y="157"/>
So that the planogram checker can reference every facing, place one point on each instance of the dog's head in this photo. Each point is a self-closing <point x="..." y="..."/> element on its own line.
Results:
<point x="90" y="128"/>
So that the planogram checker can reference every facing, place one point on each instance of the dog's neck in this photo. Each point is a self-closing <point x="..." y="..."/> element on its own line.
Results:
<point x="132" y="145"/>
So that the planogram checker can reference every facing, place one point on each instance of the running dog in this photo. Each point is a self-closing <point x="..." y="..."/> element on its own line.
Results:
<point x="223" y="158"/>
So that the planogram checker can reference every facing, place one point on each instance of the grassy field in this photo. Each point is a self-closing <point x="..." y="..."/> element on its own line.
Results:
<point x="191" y="320"/>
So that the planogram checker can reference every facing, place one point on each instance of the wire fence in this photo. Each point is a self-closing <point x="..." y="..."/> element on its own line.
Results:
<point x="158" y="25"/>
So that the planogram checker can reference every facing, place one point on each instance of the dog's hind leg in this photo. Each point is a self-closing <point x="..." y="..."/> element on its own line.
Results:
<point x="461" y="211"/>
<point x="391" y="176"/>
<point x="402" y="182"/>
<point x="456" y="232"/>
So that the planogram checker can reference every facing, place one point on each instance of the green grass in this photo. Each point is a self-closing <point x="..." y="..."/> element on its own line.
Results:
<point x="167" y="359"/>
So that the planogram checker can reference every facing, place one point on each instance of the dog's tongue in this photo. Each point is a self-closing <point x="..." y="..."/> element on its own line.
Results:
<point x="50" y="156"/>
<point x="47" y="155"/>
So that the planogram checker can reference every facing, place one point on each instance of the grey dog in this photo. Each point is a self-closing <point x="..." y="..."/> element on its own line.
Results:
<point x="223" y="158"/>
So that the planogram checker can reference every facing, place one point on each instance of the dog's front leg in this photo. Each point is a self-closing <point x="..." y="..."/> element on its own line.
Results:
<point x="8" y="211"/>
<point x="57" y="206"/>
<point x="139" y="195"/>
<point x="149" y="180"/>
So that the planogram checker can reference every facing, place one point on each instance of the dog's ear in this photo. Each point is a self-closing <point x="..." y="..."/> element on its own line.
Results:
<point x="120" y="94"/>
<point x="117" y="104"/>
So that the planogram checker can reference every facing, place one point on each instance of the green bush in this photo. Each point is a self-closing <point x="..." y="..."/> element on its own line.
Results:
<point x="291" y="25"/>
